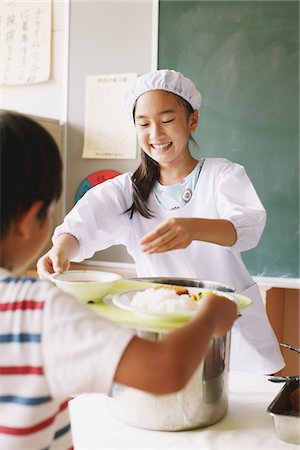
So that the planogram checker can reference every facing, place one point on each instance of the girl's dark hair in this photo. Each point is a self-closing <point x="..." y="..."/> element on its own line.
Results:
<point x="147" y="174"/>
<point x="31" y="168"/>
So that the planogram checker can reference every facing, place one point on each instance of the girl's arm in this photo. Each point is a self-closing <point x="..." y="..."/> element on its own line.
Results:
<point x="95" y="222"/>
<point x="58" y="258"/>
<point x="166" y="366"/>
<point x="241" y="215"/>
<point x="178" y="233"/>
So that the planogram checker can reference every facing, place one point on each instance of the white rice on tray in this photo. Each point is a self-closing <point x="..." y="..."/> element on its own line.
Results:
<point x="164" y="300"/>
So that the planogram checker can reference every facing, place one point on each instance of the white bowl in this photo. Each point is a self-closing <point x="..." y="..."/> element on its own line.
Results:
<point x="86" y="285"/>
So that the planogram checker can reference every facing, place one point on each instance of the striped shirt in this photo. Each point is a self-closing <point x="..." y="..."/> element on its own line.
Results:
<point x="51" y="346"/>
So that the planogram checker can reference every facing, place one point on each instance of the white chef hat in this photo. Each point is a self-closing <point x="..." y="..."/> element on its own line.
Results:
<point x="165" y="80"/>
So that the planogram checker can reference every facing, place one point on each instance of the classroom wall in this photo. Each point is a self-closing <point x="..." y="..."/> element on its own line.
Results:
<point x="88" y="38"/>
<point x="46" y="99"/>
<point x="105" y="38"/>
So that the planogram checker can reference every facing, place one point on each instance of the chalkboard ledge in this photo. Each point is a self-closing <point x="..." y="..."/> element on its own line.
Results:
<point x="278" y="282"/>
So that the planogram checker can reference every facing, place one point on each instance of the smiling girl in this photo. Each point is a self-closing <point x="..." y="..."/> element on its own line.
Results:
<point x="177" y="216"/>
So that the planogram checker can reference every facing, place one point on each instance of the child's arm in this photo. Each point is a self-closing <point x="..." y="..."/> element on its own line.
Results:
<point x="57" y="259"/>
<point x="180" y="232"/>
<point x="167" y="366"/>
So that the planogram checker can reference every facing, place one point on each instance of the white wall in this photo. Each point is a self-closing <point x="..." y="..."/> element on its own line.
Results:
<point x="89" y="37"/>
<point x="105" y="37"/>
<point x="47" y="99"/>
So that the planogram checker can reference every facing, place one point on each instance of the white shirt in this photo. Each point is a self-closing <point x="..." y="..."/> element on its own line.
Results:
<point x="223" y="191"/>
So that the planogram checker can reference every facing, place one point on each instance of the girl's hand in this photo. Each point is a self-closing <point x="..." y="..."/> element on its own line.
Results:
<point x="172" y="234"/>
<point x="54" y="261"/>
<point x="178" y="233"/>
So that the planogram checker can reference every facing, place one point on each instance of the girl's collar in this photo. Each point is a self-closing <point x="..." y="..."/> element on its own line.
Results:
<point x="183" y="180"/>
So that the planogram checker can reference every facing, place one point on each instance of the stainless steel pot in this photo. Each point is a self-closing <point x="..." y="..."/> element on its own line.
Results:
<point x="189" y="282"/>
<point x="203" y="401"/>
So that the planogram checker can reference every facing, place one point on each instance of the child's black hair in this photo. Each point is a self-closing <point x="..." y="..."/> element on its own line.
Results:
<point x="31" y="168"/>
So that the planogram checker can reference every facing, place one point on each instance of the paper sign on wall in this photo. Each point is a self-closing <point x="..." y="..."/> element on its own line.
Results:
<point x="108" y="132"/>
<point x="25" y="41"/>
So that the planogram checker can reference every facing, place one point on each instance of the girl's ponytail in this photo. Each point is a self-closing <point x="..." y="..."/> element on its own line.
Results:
<point x="143" y="181"/>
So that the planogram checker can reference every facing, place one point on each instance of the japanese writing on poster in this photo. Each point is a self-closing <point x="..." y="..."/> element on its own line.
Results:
<point x="108" y="132"/>
<point x="25" y="39"/>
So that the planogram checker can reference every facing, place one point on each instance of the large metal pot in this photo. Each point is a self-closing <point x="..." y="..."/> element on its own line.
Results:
<point x="203" y="401"/>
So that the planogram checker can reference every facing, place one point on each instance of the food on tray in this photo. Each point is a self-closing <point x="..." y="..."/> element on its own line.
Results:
<point x="180" y="290"/>
<point x="166" y="299"/>
<point x="295" y="399"/>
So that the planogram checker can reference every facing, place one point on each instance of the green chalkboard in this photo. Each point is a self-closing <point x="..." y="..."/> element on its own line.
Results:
<point x="244" y="58"/>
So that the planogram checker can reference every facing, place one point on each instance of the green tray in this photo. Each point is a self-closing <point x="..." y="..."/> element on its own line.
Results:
<point x="107" y="309"/>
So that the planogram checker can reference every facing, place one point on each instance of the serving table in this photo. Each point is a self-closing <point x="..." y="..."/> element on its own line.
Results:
<point x="246" y="425"/>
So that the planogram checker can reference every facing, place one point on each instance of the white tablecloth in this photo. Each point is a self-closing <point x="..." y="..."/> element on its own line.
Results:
<point x="247" y="425"/>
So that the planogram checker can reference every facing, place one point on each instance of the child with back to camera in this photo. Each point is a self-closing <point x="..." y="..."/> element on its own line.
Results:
<point x="51" y="344"/>
<point x="176" y="215"/>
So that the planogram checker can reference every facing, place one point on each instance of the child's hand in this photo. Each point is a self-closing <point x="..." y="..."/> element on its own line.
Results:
<point x="172" y="234"/>
<point x="52" y="262"/>
<point x="223" y="310"/>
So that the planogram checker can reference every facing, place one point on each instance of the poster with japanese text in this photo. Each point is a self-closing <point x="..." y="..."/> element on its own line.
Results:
<point x="25" y="39"/>
<point x="108" y="132"/>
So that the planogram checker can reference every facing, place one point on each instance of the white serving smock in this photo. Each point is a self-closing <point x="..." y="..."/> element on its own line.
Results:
<point x="223" y="191"/>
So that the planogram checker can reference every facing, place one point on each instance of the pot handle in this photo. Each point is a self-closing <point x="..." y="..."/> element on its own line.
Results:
<point x="289" y="347"/>
<point x="282" y="379"/>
